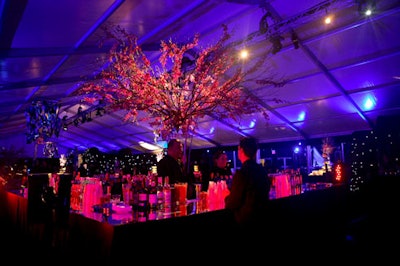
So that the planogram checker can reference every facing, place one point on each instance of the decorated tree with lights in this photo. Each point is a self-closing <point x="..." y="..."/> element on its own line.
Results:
<point x="175" y="93"/>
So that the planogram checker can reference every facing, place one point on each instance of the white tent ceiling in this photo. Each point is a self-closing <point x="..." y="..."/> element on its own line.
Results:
<point x="48" y="48"/>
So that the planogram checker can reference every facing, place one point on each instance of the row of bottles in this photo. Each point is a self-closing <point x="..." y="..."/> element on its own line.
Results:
<point x="296" y="182"/>
<point x="217" y="191"/>
<point x="139" y="191"/>
<point x="286" y="183"/>
<point x="217" y="177"/>
<point x="147" y="192"/>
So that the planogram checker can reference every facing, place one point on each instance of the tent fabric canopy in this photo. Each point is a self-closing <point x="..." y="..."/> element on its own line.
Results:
<point x="339" y="77"/>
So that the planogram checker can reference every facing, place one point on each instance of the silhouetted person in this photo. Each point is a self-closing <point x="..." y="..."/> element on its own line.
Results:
<point x="220" y="169"/>
<point x="171" y="164"/>
<point x="249" y="194"/>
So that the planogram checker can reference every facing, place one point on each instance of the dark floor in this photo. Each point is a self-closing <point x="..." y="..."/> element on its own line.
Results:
<point x="365" y="238"/>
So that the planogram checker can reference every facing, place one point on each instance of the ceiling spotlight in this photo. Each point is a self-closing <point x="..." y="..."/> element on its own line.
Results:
<point x="263" y="24"/>
<point x="149" y="146"/>
<point x="328" y="20"/>
<point x="83" y="118"/>
<point x="366" y="7"/>
<point x="99" y="111"/>
<point x="244" y="54"/>
<point x="76" y="122"/>
<point x="89" y="117"/>
<point x="295" y="40"/>
<point x="276" y="43"/>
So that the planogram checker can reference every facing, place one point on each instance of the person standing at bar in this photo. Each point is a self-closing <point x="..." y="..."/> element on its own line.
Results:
<point x="219" y="170"/>
<point x="171" y="164"/>
<point x="249" y="195"/>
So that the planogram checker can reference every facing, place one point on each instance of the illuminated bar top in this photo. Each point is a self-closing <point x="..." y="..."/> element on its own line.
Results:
<point x="108" y="238"/>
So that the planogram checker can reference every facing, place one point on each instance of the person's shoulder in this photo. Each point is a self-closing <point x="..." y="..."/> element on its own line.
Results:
<point x="164" y="160"/>
<point x="239" y="171"/>
<point x="166" y="157"/>
<point x="255" y="164"/>
<point x="260" y="167"/>
<point x="215" y="169"/>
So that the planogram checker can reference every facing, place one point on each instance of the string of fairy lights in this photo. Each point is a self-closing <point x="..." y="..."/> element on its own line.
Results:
<point x="102" y="163"/>
<point x="364" y="159"/>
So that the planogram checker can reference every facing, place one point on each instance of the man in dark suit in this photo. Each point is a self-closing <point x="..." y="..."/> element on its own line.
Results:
<point x="249" y="195"/>
<point x="171" y="164"/>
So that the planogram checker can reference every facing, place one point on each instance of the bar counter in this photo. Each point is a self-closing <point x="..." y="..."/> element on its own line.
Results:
<point x="318" y="216"/>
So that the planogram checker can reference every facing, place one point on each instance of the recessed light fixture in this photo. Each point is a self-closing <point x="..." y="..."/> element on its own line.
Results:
<point x="148" y="146"/>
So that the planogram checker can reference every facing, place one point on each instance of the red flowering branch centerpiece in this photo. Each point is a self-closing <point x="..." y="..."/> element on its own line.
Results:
<point x="176" y="92"/>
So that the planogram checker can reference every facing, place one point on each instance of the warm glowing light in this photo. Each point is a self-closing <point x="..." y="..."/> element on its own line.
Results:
<point x="244" y="54"/>
<point x="338" y="172"/>
<point x="154" y="169"/>
<point x="328" y="20"/>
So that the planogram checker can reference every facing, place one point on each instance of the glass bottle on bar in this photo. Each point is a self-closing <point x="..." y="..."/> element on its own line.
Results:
<point x="143" y="194"/>
<point x="160" y="193"/>
<point x="167" y="194"/>
<point x="152" y="196"/>
<point x="135" y="187"/>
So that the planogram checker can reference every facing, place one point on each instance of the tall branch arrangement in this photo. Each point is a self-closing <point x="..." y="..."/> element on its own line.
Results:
<point x="42" y="121"/>
<point x="173" y="95"/>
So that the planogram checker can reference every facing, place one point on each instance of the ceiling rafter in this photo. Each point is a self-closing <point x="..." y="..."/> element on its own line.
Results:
<point x="320" y="65"/>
